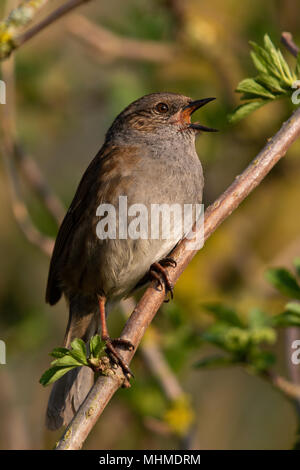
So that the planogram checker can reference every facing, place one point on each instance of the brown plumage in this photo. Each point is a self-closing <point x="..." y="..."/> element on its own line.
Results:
<point x="149" y="156"/>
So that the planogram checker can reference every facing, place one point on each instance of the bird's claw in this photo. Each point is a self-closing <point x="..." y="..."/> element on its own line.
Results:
<point x="116" y="357"/>
<point x="168" y="261"/>
<point x="158" y="272"/>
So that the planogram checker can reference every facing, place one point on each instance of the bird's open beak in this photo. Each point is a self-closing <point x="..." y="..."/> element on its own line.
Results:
<point x="188" y="110"/>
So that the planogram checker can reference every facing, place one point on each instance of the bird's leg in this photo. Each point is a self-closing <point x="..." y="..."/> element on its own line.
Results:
<point x="112" y="343"/>
<point x="158" y="272"/>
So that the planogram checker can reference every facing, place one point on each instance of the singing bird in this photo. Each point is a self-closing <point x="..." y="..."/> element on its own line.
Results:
<point x="149" y="156"/>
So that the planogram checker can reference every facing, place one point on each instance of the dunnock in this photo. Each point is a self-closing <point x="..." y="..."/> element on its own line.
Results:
<point x="149" y="156"/>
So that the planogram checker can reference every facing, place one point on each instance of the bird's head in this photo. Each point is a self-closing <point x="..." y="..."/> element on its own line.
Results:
<point x="159" y="115"/>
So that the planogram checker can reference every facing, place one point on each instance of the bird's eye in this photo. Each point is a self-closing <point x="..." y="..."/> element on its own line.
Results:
<point x="162" y="108"/>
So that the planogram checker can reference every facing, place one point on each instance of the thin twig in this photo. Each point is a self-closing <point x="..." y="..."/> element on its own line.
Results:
<point x="112" y="46"/>
<point x="17" y="18"/>
<point x="287" y="41"/>
<point x="289" y="389"/>
<point x="155" y="360"/>
<point x="177" y="9"/>
<point x="14" y="41"/>
<point x="15" y="427"/>
<point x="164" y="375"/>
<point x="160" y="369"/>
<point x="253" y="269"/>
<point x="20" y="211"/>
<point x="105" y="387"/>
<point x="38" y="183"/>
<point x="8" y="149"/>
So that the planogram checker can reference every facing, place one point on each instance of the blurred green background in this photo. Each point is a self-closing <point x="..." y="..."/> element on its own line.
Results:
<point x="67" y="95"/>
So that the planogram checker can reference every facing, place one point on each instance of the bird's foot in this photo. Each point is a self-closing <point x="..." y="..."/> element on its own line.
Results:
<point x="111" y="345"/>
<point x="158" y="272"/>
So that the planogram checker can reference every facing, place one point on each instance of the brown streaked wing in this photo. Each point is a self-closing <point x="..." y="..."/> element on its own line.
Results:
<point x="72" y="217"/>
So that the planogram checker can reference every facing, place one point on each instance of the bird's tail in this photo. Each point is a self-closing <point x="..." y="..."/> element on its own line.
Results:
<point x="70" y="390"/>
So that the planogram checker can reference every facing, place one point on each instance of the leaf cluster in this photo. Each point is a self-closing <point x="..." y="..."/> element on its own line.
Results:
<point x="275" y="79"/>
<point x="76" y="356"/>
<point x="245" y="341"/>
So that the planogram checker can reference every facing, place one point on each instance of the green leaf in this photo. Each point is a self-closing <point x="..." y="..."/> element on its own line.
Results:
<point x="259" y="62"/>
<point x="263" y="335"/>
<point x="278" y="61"/>
<point x="215" y="361"/>
<point x="261" y="330"/>
<point x="297" y="70"/>
<point x="258" y="318"/>
<point x="293" y="307"/>
<point x="237" y="340"/>
<point x="79" y="345"/>
<point x="262" y="55"/>
<point x="272" y="83"/>
<point x="261" y="360"/>
<point x="97" y="346"/>
<point x="216" y="334"/>
<point x="283" y="281"/>
<point x="273" y="55"/>
<point x="66" y="361"/>
<point x="230" y="338"/>
<point x="78" y="356"/>
<point x="274" y="79"/>
<point x="223" y="313"/>
<point x="243" y="110"/>
<point x="59" y="352"/>
<point x="250" y="85"/>
<point x="53" y="374"/>
<point x="78" y="350"/>
<point x="286" y="69"/>
<point x="286" y="318"/>
<point x="296" y="263"/>
<point x="266" y="59"/>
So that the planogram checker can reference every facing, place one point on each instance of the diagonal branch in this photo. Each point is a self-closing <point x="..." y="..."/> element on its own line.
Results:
<point x="155" y="360"/>
<point x="165" y="377"/>
<point x="109" y="45"/>
<point x="9" y="28"/>
<point x="287" y="41"/>
<point x="38" y="183"/>
<point x="10" y="153"/>
<point x="105" y="386"/>
<point x="288" y="388"/>
<point x="19" y="208"/>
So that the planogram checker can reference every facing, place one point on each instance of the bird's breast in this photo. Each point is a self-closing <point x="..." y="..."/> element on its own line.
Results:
<point x="147" y="199"/>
